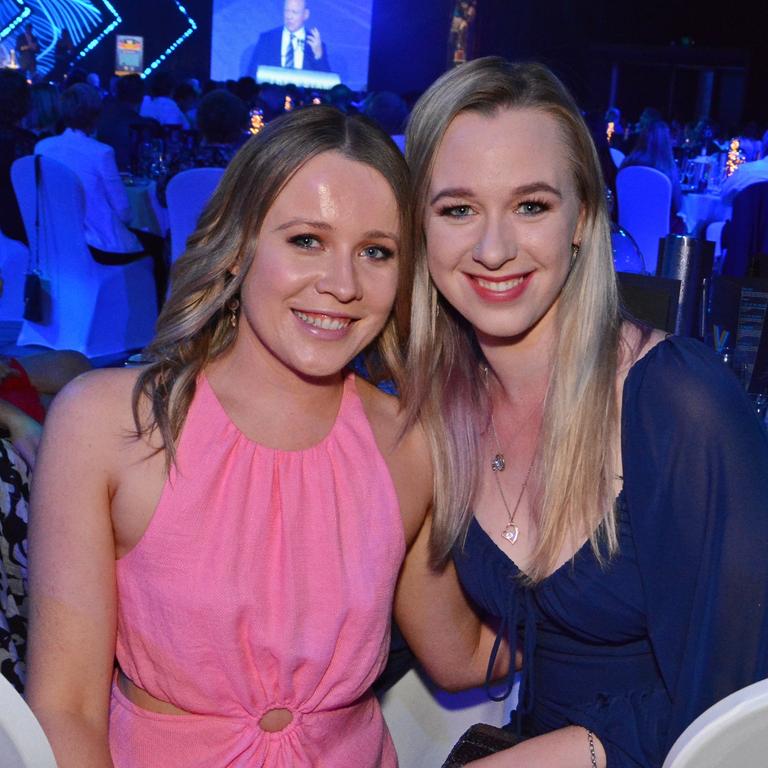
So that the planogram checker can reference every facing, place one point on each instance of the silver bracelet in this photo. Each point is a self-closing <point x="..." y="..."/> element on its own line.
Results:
<point x="592" y="755"/>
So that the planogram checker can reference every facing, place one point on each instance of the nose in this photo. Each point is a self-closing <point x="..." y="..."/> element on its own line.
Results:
<point x="340" y="278"/>
<point x="496" y="246"/>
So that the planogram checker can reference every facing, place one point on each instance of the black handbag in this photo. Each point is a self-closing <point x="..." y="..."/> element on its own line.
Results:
<point x="36" y="293"/>
<point x="481" y="740"/>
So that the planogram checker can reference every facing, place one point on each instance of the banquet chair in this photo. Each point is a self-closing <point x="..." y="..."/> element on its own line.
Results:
<point x="426" y="722"/>
<point x="714" y="233"/>
<point x="22" y="741"/>
<point x="644" y="199"/>
<point x="745" y="238"/>
<point x="617" y="156"/>
<point x="187" y="193"/>
<point x="732" y="732"/>
<point x="14" y="259"/>
<point x="94" y="309"/>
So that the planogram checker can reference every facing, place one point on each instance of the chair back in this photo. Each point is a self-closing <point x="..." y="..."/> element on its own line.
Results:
<point x="731" y="732"/>
<point x="617" y="156"/>
<point x="22" y="741"/>
<point x="746" y="236"/>
<point x="644" y="199"/>
<point x="714" y="233"/>
<point x="93" y="309"/>
<point x="14" y="259"/>
<point x="187" y="194"/>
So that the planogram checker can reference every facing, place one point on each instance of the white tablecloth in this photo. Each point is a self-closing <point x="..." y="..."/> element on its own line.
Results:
<point x="146" y="212"/>
<point x="701" y="209"/>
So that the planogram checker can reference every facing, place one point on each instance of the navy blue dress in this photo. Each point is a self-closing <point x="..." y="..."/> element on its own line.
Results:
<point x="678" y="619"/>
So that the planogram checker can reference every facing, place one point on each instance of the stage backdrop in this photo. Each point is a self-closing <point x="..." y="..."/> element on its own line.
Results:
<point x="344" y="26"/>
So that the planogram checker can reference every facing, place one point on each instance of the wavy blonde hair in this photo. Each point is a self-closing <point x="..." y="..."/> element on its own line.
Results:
<point x="577" y="459"/>
<point x="194" y="326"/>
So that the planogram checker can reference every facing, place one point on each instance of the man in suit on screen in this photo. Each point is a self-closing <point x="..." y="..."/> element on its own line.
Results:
<point x="293" y="45"/>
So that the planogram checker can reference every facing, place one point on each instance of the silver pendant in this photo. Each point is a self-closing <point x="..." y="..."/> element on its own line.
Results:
<point x="498" y="463"/>
<point x="511" y="532"/>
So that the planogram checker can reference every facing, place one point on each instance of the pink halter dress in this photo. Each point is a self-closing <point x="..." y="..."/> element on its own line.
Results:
<point x="263" y="581"/>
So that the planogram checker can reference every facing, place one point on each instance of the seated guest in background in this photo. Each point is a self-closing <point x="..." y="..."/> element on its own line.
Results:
<point x="390" y="111"/>
<point x="746" y="174"/>
<point x="186" y="98"/>
<point x="45" y="114"/>
<point x="107" y="208"/>
<point x="14" y="599"/>
<point x="160" y="105"/>
<point x="25" y="388"/>
<point x="15" y="142"/>
<point x="222" y="120"/>
<point x="653" y="149"/>
<point x="120" y="115"/>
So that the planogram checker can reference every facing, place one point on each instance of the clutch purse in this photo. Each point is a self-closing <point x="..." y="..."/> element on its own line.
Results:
<point x="479" y="741"/>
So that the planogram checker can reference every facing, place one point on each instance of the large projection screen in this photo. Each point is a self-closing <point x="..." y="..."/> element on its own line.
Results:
<point x="344" y="27"/>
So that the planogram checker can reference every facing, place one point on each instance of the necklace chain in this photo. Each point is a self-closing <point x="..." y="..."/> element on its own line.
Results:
<point x="511" y="530"/>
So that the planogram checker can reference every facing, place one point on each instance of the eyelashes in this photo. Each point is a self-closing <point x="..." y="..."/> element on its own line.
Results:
<point x="528" y="207"/>
<point x="371" y="252"/>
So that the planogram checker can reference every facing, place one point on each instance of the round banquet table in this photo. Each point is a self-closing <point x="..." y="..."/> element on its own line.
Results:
<point x="147" y="214"/>
<point x="701" y="209"/>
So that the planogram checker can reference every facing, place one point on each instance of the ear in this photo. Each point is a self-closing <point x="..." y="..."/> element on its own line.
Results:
<point x="234" y="269"/>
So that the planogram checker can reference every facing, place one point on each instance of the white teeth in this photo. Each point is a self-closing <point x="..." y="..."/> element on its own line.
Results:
<point x="323" y="321"/>
<point x="506" y="285"/>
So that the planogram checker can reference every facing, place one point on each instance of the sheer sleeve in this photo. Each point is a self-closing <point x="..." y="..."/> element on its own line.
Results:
<point x="696" y="482"/>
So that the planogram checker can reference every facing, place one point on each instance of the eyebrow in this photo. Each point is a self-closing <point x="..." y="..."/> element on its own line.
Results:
<point x="326" y="227"/>
<point x="523" y="189"/>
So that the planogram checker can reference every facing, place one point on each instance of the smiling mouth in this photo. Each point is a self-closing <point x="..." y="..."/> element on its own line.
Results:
<point x="499" y="286"/>
<point x="324" y="322"/>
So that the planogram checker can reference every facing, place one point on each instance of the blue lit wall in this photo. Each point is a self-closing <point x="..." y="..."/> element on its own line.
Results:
<point x="91" y="24"/>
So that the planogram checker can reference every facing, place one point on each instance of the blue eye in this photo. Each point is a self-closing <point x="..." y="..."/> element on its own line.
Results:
<point x="457" y="211"/>
<point x="305" y="241"/>
<point x="532" y="207"/>
<point x="377" y="253"/>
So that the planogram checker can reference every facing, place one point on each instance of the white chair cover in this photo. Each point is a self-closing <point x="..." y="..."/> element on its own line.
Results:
<point x="617" y="156"/>
<point x="426" y="722"/>
<point x="714" y="233"/>
<point x="645" y="199"/>
<point x="14" y="257"/>
<point x="733" y="732"/>
<point x="186" y="194"/>
<point x="22" y="741"/>
<point x="94" y="309"/>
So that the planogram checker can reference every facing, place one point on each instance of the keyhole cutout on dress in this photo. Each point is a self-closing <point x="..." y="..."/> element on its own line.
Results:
<point x="275" y="720"/>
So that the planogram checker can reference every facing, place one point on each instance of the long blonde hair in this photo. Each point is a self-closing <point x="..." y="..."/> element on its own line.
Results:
<point x="194" y="326"/>
<point x="577" y="459"/>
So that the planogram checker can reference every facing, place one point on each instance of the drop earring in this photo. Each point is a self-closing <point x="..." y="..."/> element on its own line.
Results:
<point x="233" y="305"/>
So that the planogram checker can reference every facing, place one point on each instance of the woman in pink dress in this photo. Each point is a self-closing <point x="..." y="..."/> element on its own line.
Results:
<point x="216" y="536"/>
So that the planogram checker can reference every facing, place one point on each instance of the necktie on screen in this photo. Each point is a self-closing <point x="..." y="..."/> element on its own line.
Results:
<point x="289" y="63"/>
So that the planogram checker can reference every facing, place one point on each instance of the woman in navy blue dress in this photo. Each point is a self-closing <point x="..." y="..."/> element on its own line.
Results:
<point x="602" y="490"/>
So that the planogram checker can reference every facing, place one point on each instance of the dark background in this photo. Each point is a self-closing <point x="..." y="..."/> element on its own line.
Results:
<point x="660" y="48"/>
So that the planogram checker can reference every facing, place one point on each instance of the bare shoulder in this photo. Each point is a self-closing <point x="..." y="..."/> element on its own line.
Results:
<point x="406" y="452"/>
<point x="96" y="395"/>
<point x="93" y="416"/>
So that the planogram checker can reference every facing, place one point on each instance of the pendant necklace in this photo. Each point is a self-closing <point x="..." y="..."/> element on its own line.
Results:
<point x="511" y="530"/>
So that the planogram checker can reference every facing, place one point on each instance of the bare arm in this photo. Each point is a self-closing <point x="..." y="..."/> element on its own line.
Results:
<point x="72" y="578"/>
<point x="564" y="748"/>
<point x="440" y="624"/>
